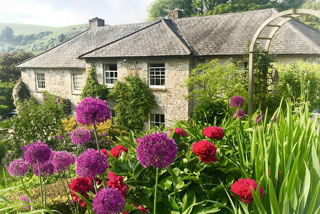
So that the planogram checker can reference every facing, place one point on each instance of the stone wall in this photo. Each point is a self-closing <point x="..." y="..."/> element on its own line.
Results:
<point x="58" y="82"/>
<point x="170" y="99"/>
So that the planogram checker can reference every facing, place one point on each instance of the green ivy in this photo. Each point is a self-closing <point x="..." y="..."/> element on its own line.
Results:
<point x="133" y="102"/>
<point x="92" y="87"/>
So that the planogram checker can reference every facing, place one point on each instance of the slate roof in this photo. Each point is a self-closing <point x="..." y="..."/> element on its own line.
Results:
<point x="225" y="34"/>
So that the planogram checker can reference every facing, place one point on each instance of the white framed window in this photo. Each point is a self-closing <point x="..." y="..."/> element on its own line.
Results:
<point x="77" y="82"/>
<point x="157" y="75"/>
<point x="40" y="81"/>
<point x="157" y="120"/>
<point x="110" y="74"/>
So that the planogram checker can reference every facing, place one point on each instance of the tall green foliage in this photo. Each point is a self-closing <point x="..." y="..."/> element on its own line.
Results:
<point x="133" y="102"/>
<point x="92" y="87"/>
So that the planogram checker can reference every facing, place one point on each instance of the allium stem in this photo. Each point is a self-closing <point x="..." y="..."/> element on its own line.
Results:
<point x="98" y="147"/>
<point x="4" y="177"/>
<point x="40" y="180"/>
<point x="65" y="189"/>
<point x="155" y="193"/>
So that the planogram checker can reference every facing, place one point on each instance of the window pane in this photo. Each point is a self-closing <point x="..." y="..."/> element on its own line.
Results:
<point x="157" y="74"/>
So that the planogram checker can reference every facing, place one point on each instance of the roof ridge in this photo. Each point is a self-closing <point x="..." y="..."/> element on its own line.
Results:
<point x="121" y="38"/>
<point x="180" y="40"/>
<point x="307" y="39"/>
<point x="53" y="47"/>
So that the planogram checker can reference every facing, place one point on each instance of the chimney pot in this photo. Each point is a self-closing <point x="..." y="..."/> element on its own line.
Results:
<point x="96" y="22"/>
<point x="175" y="14"/>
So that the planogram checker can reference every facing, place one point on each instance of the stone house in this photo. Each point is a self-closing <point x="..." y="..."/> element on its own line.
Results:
<point x="163" y="53"/>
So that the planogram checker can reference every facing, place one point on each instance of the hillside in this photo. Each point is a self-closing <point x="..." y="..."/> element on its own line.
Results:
<point x="34" y="38"/>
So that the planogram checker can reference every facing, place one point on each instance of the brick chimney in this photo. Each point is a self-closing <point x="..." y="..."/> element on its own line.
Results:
<point x="175" y="14"/>
<point x="96" y="22"/>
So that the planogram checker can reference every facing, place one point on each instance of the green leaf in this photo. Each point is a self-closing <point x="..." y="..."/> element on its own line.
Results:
<point x="173" y="204"/>
<point x="88" y="203"/>
<point x="273" y="198"/>
<point x="257" y="200"/>
<point x="188" y="199"/>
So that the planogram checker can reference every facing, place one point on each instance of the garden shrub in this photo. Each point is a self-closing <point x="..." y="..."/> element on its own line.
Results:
<point x="3" y="150"/>
<point x="92" y="87"/>
<point x="208" y="111"/>
<point x="65" y="103"/>
<point x="20" y="93"/>
<point x="133" y="102"/>
<point x="36" y="122"/>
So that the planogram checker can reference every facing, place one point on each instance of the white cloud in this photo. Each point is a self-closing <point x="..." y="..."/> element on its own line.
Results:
<point x="70" y="12"/>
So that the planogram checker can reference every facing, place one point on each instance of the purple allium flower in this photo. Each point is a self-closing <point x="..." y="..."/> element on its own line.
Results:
<point x="90" y="164"/>
<point x="236" y="101"/>
<point x="46" y="169"/>
<point x="37" y="151"/>
<point x="108" y="201"/>
<point x="18" y="167"/>
<point x="80" y="135"/>
<point x="156" y="150"/>
<point x="62" y="160"/>
<point x="7" y="156"/>
<point x="92" y="110"/>
<point x="60" y="137"/>
<point x="260" y="118"/>
<point x="239" y="113"/>
<point x="26" y="199"/>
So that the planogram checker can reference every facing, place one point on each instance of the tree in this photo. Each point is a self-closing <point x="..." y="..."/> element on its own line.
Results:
<point x="8" y="70"/>
<point x="6" y="100"/>
<point x="308" y="19"/>
<point x="7" y="34"/>
<point x="61" y="37"/>
<point x="92" y="87"/>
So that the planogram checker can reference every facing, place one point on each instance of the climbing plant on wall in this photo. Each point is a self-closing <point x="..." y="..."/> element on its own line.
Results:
<point x="133" y="102"/>
<point x="92" y="87"/>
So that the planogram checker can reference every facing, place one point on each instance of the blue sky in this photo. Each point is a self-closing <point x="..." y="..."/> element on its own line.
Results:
<point x="70" y="12"/>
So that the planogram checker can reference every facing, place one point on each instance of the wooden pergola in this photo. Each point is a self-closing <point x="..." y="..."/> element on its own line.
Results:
<point x="286" y="16"/>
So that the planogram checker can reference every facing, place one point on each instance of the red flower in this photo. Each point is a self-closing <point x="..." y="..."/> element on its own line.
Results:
<point x="125" y="212"/>
<point x="243" y="190"/>
<point x="214" y="132"/>
<point x="117" y="182"/>
<point x="82" y="186"/>
<point x="138" y="140"/>
<point x="117" y="150"/>
<point x="205" y="150"/>
<point x="104" y="152"/>
<point x="180" y="132"/>
<point x="140" y="207"/>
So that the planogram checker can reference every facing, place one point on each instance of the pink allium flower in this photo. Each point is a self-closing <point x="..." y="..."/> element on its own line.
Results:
<point x="26" y="199"/>
<point x="239" y="113"/>
<point x="214" y="132"/>
<point x="46" y="169"/>
<point x="156" y="150"/>
<point x="80" y="135"/>
<point x="236" y="101"/>
<point x="90" y="164"/>
<point x="243" y="190"/>
<point x="92" y="111"/>
<point x="37" y="152"/>
<point x="108" y="201"/>
<point x="62" y="160"/>
<point x="18" y="167"/>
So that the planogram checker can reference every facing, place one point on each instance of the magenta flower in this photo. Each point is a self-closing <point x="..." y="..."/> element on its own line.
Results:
<point x="90" y="164"/>
<point x="25" y="199"/>
<point x="62" y="160"/>
<point x="156" y="150"/>
<point x="239" y="113"/>
<point x="46" y="169"/>
<point x="37" y="152"/>
<point x="236" y="101"/>
<point x="260" y="118"/>
<point x="18" y="167"/>
<point x="92" y="110"/>
<point x="80" y="135"/>
<point x="108" y="201"/>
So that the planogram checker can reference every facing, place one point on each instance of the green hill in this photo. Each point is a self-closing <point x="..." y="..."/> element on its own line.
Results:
<point x="34" y="38"/>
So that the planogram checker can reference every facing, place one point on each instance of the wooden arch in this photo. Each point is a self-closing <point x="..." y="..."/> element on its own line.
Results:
<point x="287" y="16"/>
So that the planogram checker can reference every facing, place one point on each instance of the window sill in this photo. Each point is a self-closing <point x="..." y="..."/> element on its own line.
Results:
<point x="157" y="89"/>
<point x="109" y="86"/>
<point x="76" y="93"/>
